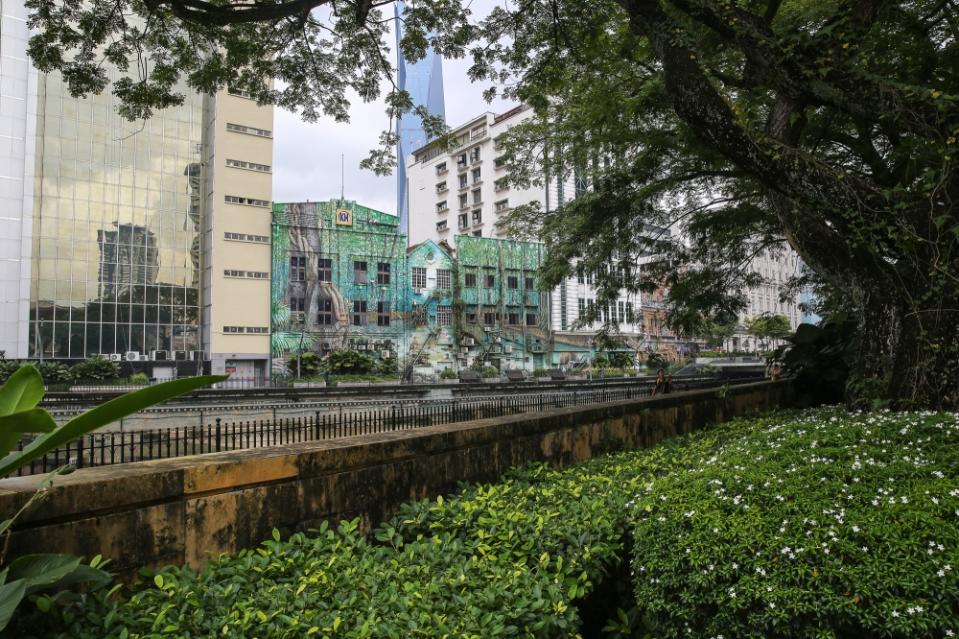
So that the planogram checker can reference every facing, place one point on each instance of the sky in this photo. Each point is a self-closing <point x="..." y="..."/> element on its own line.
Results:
<point x="306" y="156"/>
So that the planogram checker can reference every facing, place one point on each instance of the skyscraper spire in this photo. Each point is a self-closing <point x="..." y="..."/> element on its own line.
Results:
<point x="424" y="82"/>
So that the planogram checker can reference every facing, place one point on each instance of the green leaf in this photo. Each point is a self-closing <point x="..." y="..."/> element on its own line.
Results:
<point x="102" y="415"/>
<point x="82" y="574"/>
<point x="12" y="427"/>
<point x="11" y="595"/>
<point x="23" y="391"/>
<point x="41" y="570"/>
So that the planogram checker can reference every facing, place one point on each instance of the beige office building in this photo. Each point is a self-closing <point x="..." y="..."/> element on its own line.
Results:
<point x="144" y="241"/>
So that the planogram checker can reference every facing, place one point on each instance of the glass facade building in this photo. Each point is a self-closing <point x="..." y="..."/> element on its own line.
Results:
<point x="424" y="82"/>
<point x="116" y="227"/>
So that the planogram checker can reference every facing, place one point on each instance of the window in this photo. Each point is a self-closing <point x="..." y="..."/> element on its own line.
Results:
<point x="478" y="233"/>
<point x="512" y="281"/>
<point x="246" y="237"/>
<point x="489" y="318"/>
<point x="441" y="225"/>
<point x="245" y="201"/>
<point x="441" y="168"/>
<point x="463" y="201"/>
<point x="239" y="93"/>
<point x="443" y="279"/>
<point x="580" y="279"/>
<point x="581" y="303"/>
<point x="359" y="273"/>
<point x="530" y="319"/>
<point x="382" y="273"/>
<point x="324" y="271"/>
<point x="444" y="315"/>
<point x="297" y="304"/>
<point x="253" y="275"/>
<point x="471" y="317"/>
<point x="463" y="181"/>
<point x="530" y="282"/>
<point x="500" y="162"/>
<point x="500" y="184"/>
<point x="461" y="161"/>
<point x="477" y="196"/>
<point x="249" y="130"/>
<point x="513" y="318"/>
<point x="463" y="220"/>
<point x="359" y="313"/>
<point x="489" y="280"/>
<point x="441" y="207"/>
<point x="250" y="166"/>
<point x="475" y="151"/>
<point x="382" y="313"/>
<point x="622" y="311"/>
<point x="469" y="280"/>
<point x="419" y="277"/>
<point x="233" y="329"/>
<point x="441" y="187"/>
<point x="297" y="269"/>
<point x="502" y="206"/>
<point x="478" y="216"/>
<point x="325" y="316"/>
<point x="477" y="175"/>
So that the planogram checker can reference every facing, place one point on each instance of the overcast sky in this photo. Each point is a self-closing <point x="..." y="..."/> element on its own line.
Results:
<point x="306" y="157"/>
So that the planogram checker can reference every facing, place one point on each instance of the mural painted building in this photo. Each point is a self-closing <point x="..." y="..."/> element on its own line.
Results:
<point x="343" y="279"/>
<point x="504" y="318"/>
<point x="339" y="280"/>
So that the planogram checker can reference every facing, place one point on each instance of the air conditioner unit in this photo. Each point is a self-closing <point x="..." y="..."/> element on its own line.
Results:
<point x="361" y="347"/>
<point x="179" y="356"/>
<point x="132" y="356"/>
<point x="116" y="357"/>
<point x="507" y="349"/>
<point x="487" y="328"/>
<point x="144" y="357"/>
<point x="417" y="291"/>
<point x="386" y="354"/>
<point x="469" y="341"/>
<point x="464" y="350"/>
<point x="159" y="356"/>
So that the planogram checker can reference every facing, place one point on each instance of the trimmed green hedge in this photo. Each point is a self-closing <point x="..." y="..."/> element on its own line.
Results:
<point x="814" y="524"/>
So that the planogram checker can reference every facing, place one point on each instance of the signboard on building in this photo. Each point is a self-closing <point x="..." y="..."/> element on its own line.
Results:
<point x="344" y="217"/>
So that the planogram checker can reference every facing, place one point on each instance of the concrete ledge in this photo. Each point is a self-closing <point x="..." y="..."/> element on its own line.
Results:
<point x="184" y="510"/>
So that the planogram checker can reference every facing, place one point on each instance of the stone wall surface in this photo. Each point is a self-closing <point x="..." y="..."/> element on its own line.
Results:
<point x="185" y="510"/>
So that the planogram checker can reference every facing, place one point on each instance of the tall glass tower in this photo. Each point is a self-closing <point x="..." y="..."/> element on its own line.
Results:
<point x="424" y="81"/>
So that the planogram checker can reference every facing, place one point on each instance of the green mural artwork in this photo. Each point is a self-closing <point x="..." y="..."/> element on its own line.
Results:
<point x="343" y="279"/>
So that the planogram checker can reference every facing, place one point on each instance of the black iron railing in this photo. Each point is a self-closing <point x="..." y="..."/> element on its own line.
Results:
<point x="118" y="447"/>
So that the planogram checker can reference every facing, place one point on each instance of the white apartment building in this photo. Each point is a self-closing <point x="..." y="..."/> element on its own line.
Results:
<point x="775" y="270"/>
<point x="463" y="191"/>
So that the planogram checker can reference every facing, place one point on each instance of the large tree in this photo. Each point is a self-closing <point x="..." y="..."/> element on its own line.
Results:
<point x="828" y="125"/>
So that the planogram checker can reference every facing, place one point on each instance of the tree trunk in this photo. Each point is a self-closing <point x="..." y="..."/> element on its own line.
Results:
<point x="908" y="356"/>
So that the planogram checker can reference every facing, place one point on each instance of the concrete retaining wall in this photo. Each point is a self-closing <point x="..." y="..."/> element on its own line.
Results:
<point x="183" y="510"/>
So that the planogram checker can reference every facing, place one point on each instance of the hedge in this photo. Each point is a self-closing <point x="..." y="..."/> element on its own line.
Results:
<point x="813" y="524"/>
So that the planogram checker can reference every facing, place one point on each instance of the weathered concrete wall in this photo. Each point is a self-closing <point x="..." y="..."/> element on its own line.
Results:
<point x="183" y="510"/>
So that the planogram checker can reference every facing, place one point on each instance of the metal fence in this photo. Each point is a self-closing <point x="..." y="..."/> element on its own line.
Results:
<point x="103" y="449"/>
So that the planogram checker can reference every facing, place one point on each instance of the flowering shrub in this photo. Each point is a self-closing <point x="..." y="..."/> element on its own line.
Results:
<point x="813" y="524"/>
<point x="826" y="525"/>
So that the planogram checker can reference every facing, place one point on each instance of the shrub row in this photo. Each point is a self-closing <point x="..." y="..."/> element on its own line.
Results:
<point x="817" y="524"/>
